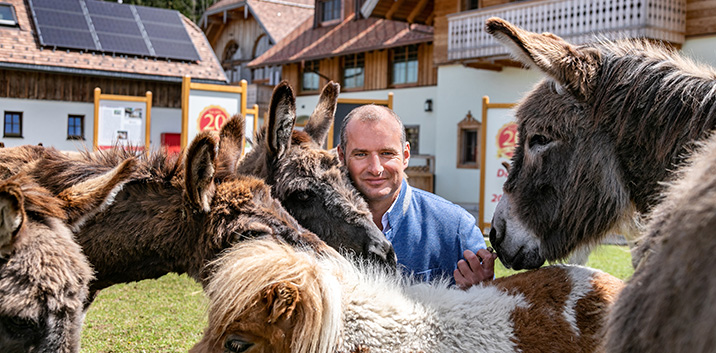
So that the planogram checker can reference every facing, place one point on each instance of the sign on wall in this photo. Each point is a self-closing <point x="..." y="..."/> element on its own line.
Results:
<point x="498" y="140"/>
<point x="121" y="121"/>
<point x="207" y="106"/>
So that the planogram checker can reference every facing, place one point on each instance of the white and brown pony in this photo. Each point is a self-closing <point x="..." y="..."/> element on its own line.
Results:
<point x="268" y="297"/>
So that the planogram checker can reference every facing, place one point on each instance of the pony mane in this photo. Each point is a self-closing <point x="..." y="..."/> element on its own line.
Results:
<point x="240" y="275"/>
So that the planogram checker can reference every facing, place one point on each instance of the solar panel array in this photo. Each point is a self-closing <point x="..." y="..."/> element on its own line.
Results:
<point x="112" y="28"/>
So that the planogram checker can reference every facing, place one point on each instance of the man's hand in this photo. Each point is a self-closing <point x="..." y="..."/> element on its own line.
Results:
<point x="475" y="268"/>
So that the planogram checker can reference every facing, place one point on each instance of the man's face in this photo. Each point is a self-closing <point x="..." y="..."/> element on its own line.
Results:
<point x="375" y="158"/>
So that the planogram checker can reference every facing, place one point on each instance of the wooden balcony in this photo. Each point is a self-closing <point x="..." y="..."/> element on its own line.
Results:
<point x="577" y="21"/>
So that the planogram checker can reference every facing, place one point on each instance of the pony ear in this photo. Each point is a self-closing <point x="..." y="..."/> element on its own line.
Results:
<point x="231" y="143"/>
<point x="322" y="117"/>
<point x="199" y="171"/>
<point x="12" y="215"/>
<point x="572" y="67"/>
<point x="282" y="299"/>
<point x="282" y="117"/>
<point x="93" y="195"/>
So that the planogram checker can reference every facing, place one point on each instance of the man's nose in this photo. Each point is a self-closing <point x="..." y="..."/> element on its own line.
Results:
<point x="374" y="165"/>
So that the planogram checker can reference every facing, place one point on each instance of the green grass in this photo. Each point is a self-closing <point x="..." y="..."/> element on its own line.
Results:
<point x="169" y="314"/>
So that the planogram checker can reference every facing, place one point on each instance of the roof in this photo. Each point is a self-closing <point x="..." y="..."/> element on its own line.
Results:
<point x="411" y="11"/>
<point x="349" y="36"/>
<point x="20" y="49"/>
<point x="277" y="17"/>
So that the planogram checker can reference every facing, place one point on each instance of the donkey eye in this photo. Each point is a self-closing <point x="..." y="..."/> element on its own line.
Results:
<point x="303" y="195"/>
<point x="19" y="326"/>
<point x="539" y="140"/>
<point x="237" y="345"/>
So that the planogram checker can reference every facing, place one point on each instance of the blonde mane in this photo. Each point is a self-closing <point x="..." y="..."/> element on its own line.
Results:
<point x="239" y="277"/>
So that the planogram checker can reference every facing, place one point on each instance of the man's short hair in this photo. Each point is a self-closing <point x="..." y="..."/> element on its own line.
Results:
<point x="369" y="112"/>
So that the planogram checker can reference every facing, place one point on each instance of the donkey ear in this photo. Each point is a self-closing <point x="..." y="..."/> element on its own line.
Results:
<point x="199" y="171"/>
<point x="322" y="117"/>
<point x="282" y="117"/>
<point x="231" y="143"/>
<point x="12" y="215"/>
<point x="281" y="299"/>
<point x="572" y="67"/>
<point x="91" y="196"/>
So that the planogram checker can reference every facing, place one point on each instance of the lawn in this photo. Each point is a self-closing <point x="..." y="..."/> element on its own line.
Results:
<point x="169" y="314"/>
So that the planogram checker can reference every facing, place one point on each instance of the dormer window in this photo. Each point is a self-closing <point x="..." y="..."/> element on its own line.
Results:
<point x="7" y="15"/>
<point x="330" y="10"/>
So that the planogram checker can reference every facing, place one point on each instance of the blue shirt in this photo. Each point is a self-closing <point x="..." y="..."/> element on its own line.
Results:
<point x="429" y="233"/>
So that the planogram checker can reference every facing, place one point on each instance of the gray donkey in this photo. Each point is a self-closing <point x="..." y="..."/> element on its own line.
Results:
<point x="44" y="276"/>
<point x="310" y="181"/>
<point x="598" y="136"/>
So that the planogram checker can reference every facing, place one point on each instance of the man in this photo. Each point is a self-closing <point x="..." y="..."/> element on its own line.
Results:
<point x="429" y="234"/>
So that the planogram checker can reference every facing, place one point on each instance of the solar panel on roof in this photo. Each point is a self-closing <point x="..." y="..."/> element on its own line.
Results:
<point x="113" y="28"/>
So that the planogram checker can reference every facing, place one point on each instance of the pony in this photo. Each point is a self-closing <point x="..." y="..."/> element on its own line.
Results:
<point x="669" y="301"/>
<point x="44" y="276"/>
<point x="286" y="299"/>
<point x="597" y="139"/>
<point x="173" y="214"/>
<point x="310" y="182"/>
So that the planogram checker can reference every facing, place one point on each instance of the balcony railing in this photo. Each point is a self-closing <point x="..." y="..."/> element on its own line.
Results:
<point x="577" y="21"/>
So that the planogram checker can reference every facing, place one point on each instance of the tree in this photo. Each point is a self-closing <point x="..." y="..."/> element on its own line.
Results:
<point x="193" y="9"/>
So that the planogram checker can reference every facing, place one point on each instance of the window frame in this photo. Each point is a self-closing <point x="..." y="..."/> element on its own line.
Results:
<point x="413" y="138"/>
<point x="468" y="124"/>
<point x="356" y="60"/>
<point x="405" y="58"/>
<point x="315" y="69"/>
<point x="81" y="136"/>
<point x="9" y="23"/>
<point x="4" y="125"/>
<point x="320" y="13"/>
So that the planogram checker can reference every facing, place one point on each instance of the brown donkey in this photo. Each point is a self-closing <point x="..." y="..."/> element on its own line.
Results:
<point x="598" y="136"/>
<point x="172" y="215"/>
<point x="44" y="276"/>
<point x="310" y="181"/>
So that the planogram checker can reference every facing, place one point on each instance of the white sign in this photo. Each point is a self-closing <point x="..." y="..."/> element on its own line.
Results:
<point x="208" y="110"/>
<point x="121" y="123"/>
<point x="249" y="132"/>
<point x="500" y="141"/>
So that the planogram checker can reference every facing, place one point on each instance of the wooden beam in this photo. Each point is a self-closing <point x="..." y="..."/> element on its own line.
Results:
<point x="509" y="62"/>
<point x="393" y="9"/>
<point x="417" y="10"/>
<point x="429" y="20"/>
<point x="484" y="66"/>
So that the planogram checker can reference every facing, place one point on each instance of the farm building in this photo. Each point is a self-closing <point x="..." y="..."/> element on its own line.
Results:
<point x="53" y="54"/>
<point x="437" y="60"/>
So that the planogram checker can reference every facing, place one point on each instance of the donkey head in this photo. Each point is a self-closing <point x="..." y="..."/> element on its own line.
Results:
<point x="44" y="275"/>
<point x="310" y="181"/>
<point x="235" y="207"/>
<point x="564" y="187"/>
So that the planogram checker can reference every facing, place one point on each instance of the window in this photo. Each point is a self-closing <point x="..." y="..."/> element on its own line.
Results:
<point x="412" y="135"/>
<point x="75" y="127"/>
<point x="353" y="72"/>
<point x="310" y="79"/>
<point x="468" y="142"/>
<point x="470" y="5"/>
<point x="13" y="124"/>
<point x="404" y="64"/>
<point x="330" y="10"/>
<point x="7" y="15"/>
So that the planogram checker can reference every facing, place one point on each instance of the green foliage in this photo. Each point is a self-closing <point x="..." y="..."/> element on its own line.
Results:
<point x="193" y="9"/>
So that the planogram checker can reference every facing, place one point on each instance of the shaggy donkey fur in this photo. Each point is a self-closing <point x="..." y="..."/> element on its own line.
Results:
<point x="44" y="276"/>
<point x="286" y="300"/>
<point x="172" y="215"/>
<point x="598" y="136"/>
<point x="670" y="303"/>
<point x="310" y="181"/>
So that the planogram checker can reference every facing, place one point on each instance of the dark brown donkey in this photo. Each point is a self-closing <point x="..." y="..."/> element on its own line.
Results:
<point x="308" y="180"/>
<point x="44" y="276"/>
<point x="598" y="137"/>
<point x="172" y="215"/>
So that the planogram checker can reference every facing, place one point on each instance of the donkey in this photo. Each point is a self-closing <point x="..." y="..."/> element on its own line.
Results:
<point x="598" y="137"/>
<point x="309" y="181"/>
<point x="668" y="305"/>
<point x="172" y="215"/>
<point x="44" y="276"/>
<point x="286" y="300"/>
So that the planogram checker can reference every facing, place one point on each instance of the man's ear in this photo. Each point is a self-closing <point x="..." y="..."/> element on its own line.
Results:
<point x="341" y="155"/>
<point x="281" y="299"/>
<point x="406" y="154"/>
